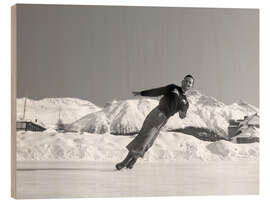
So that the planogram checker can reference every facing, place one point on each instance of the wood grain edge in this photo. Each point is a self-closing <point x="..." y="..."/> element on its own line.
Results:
<point x="13" y="98"/>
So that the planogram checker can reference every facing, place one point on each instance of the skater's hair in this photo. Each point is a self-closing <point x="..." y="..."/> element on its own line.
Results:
<point x="189" y="76"/>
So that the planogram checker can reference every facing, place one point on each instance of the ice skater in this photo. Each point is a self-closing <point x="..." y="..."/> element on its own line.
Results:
<point x="174" y="100"/>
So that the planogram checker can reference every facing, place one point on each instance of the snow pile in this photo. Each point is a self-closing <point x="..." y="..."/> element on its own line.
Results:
<point x="229" y="151"/>
<point x="47" y="111"/>
<point x="50" y="145"/>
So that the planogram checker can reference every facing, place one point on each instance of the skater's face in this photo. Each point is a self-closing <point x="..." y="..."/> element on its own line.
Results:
<point x="187" y="83"/>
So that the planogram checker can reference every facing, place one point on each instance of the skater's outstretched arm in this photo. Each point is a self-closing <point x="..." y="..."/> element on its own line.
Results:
<point x="156" y="91"/>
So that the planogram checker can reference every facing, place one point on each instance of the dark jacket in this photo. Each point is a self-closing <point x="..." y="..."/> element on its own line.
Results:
<point x="173" y="99"/>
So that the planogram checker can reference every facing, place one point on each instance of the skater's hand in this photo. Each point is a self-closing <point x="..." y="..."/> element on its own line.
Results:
<point x="183" y="102"/>
<point x="182" y="114"/>
<point x="136" y="93"/>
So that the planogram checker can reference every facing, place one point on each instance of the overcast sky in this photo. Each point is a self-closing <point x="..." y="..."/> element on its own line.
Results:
<point x="104" y="53"/>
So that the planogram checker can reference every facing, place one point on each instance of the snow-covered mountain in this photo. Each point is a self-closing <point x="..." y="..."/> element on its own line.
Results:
<point x="47" y="111"/>
<point x="127" y="116"/>
<point x="96" y="122"/>
<point x="117" y="117"/>
<point x="208" y="112"/>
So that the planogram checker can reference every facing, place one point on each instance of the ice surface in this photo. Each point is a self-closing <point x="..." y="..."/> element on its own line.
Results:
<point x="42" y="179"/>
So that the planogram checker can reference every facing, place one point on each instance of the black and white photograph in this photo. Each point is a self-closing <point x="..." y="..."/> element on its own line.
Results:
<point x="133" y="101"/>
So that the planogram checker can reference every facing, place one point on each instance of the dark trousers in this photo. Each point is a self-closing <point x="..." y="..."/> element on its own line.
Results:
<point x="152" y="125"/>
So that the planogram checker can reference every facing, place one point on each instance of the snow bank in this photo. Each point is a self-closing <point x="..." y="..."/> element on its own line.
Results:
<point x="169" y="146"/>
<point x="230" y="151"/>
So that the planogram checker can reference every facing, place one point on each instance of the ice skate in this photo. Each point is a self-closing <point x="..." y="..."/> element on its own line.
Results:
<point x="124" y="163"/>
<point x="131" y="163"/>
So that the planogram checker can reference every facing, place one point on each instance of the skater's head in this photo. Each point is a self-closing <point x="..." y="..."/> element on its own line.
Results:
<point x="187" y="83"/>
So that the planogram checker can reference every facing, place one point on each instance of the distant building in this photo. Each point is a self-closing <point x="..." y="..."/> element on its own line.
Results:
<point x="244" y="127"/>
<point x="28" y="126"/>
<point x="233" y="127"/>
<point x="247" y="139"/>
